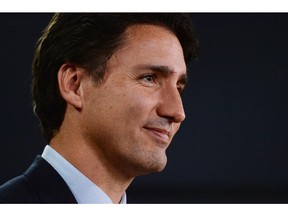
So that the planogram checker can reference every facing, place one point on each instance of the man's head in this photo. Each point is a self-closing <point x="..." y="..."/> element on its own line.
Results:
<point x="89" y="40"/>
<point x="127" y="73"/>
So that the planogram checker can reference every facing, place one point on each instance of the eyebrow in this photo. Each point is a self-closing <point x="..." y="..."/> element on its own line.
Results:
<point x="183" y="79"/>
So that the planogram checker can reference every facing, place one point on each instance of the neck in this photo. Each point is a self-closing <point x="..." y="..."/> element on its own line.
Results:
<point x="91" y="164"/>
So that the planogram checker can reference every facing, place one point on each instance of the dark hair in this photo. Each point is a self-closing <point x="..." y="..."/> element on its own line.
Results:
<point x="89" y="40"/>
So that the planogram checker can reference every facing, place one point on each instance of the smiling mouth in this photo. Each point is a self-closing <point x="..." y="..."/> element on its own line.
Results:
<point x="159" y="134"/>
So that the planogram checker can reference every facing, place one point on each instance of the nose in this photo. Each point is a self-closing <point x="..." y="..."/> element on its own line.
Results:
<point x="171" y="106"/>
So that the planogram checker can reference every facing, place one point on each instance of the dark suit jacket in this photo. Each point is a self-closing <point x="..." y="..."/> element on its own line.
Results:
<point x="39" y="184"/>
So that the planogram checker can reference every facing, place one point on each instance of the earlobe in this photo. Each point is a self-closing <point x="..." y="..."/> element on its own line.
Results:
<point x="69" y="80"/>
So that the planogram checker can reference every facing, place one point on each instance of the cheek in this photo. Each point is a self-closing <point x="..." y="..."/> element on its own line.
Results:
<point x="122" y="108"/>
<point x="138" y="105"/>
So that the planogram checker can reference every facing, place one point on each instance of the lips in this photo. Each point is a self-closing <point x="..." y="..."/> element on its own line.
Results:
<point x="160" y="133"/>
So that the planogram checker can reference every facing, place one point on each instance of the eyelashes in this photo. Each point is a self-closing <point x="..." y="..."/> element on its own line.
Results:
<point x="151" y="79"/>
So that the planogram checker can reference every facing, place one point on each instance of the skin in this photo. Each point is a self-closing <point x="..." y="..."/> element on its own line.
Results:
<point x="121" y="129"/>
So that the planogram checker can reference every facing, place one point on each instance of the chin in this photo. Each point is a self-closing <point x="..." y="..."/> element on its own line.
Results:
<point x="154" y="166"/>
<point x="160" y="168"/>
<point x="146" y="162"/>
<point x="150" y="170"/>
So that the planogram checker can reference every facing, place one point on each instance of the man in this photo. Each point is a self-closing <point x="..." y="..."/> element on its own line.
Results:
<point x="106" y="89"/>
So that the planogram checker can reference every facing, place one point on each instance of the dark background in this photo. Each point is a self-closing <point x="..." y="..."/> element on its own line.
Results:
<point x="232" y="147"/>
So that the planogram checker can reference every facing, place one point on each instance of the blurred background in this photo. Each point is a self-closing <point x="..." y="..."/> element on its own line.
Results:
<point x="232" y="147"/>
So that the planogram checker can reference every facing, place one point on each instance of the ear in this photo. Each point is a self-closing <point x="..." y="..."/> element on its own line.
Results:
<point x="69" y="80"/>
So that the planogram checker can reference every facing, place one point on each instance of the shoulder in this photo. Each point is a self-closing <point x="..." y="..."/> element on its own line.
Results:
<point x="39" y="184"/>
<point x="21" y="189"/>
<point x="18" y="190"/>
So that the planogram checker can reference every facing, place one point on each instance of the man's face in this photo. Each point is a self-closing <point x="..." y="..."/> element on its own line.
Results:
<point x="131" y="118"/>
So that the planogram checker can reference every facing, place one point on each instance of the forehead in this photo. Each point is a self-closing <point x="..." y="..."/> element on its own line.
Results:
<point x="146" y="35"/>
<point x="152" y="44"/>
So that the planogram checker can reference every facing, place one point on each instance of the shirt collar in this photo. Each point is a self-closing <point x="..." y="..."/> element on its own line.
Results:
<point x="84" y="190"/>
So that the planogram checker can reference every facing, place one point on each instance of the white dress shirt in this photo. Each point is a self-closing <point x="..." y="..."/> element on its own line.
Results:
<point x="83" y="189"/>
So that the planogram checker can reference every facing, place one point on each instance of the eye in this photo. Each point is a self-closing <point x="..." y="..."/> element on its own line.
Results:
<point x="180" y="89"/>
<point x="150" y="78"/>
